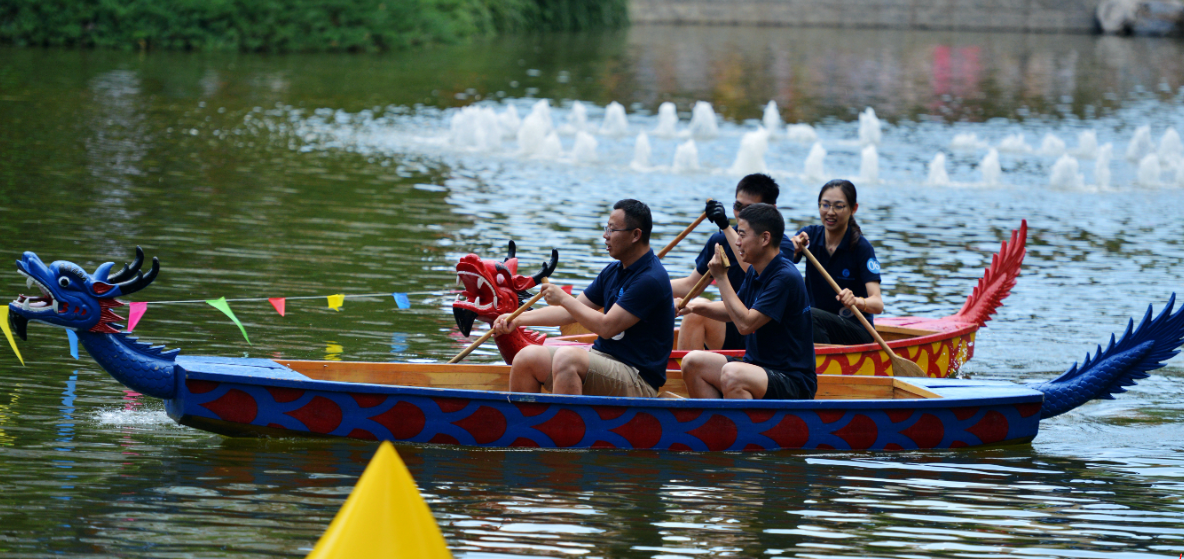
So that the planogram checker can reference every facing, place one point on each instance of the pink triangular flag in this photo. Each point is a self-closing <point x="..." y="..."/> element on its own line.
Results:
<point x="278" y="303"/>
<point x="134" y="313"/>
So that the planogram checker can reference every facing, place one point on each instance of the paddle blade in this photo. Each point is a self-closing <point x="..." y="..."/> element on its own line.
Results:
<point x="384" y="516"/>
<point x="902" y="367"/>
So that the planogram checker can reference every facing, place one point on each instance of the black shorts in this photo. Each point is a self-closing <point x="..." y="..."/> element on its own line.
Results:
<point x="732" y="337"/>
<point x="786" y="385"/>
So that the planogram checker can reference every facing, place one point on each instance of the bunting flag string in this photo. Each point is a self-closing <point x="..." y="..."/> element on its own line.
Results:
<point x="73" y="337"/>
<point x="347" y="296"/>
<point x="8" y="333"/>
<point x="135" y="312"/>
<point x="221" y="304"/>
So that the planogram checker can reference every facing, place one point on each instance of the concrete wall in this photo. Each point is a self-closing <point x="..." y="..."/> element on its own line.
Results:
<point x="1045" y="16"/>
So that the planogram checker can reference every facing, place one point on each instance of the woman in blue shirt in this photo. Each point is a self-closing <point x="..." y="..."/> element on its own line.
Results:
<point x="849" y="258"/>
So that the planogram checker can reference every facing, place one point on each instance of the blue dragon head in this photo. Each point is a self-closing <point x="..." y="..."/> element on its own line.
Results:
<point x="74" y="299"/>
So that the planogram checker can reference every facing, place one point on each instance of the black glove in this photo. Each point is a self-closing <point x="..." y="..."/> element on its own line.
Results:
<point x="717" y="214"/>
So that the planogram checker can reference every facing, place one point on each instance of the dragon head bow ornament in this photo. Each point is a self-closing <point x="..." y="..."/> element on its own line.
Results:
<point x="74" y="299"/>
<point x="493" y="288"/>
<point x="85" y="303"/>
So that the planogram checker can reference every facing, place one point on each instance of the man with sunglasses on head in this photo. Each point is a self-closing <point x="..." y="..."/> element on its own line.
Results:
<point x="697" y="331"/>
<point x="634" y="334"/>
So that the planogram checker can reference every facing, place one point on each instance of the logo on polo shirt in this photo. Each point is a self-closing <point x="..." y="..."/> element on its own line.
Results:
<point x="873" y="265"/>
<point x="621" y="293"/>
<point x="846" y="273"/>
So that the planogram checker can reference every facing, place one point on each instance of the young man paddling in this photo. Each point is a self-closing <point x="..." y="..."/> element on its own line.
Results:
<point x="699" y="332"/>
<point x="771" y="311"/>
<point x="633" y="337"/>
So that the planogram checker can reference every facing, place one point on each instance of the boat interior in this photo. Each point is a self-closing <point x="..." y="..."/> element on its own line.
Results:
<point x="889" y="333"/>
<point x="496" y="378"/>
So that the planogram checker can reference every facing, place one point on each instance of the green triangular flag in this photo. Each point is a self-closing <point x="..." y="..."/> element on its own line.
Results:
<point x="221" y="304"/>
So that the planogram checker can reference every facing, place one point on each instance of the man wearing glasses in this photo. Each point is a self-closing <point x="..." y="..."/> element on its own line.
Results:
<point x="697" y="331"/>
<point x="634" y="336"/>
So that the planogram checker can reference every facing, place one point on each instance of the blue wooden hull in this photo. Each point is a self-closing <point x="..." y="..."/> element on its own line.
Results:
<point x="261" y="397"/>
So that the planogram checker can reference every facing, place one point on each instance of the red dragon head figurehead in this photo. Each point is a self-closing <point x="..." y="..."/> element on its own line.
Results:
<point x="494" y="288"/>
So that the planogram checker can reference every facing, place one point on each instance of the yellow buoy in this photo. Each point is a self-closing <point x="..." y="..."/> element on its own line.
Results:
<point x="384" y="516"/>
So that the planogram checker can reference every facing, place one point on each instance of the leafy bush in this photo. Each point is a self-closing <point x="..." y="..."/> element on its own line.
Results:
<point x="290" y="25"/>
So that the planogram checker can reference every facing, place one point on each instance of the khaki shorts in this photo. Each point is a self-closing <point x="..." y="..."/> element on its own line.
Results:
<point x="609" y="377"/>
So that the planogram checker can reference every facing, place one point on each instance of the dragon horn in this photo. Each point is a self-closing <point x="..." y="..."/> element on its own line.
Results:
<point x="140" y="281"/>
<point x="548" y="268"/>
<point x="513" y="251"/>
<point x="128" y="269"/>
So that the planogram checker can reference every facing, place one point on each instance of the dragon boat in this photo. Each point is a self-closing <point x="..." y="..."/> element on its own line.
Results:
<point x="939" y="346"/>
<point x="467" y="405"/>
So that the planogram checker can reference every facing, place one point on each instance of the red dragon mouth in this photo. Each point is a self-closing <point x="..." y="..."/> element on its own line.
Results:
<point x="492" y="288"/>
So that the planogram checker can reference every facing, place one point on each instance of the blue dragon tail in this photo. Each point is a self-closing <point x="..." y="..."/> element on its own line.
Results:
<point x="1121" y="364"/>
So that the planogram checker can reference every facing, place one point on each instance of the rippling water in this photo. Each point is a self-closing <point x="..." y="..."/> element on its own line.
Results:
<point x="256" y="176"/>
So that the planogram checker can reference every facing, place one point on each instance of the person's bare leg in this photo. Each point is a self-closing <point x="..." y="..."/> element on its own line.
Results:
<point x="569" y="369"/>
<point x="743" y="381"/>
<point x="531" y="367"/>
<point x="697" y="331"/>
<point x="701" y="373"/>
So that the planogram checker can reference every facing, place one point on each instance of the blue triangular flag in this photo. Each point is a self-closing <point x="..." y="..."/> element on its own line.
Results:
<point x="402" y="301"/>
<point x="73" y="343"/>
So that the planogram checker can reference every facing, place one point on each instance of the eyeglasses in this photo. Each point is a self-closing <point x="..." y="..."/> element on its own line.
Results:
<point x="738" y="207"/>
<point x="608" y="230"/>
<point x="827" y="206"/>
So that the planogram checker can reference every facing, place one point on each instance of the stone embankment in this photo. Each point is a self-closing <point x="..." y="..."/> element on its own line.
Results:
<point x="1159" y="17"/>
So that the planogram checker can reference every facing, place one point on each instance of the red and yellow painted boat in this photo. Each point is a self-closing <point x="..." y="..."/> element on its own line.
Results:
<point x="940" y="346"/>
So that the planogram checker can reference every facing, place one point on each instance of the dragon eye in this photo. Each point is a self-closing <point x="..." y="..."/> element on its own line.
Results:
<point x="64" y="282"/>
<point x="501" y="280"/>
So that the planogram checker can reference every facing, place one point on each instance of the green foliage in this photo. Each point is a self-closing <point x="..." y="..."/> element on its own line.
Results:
<point x="290" y="25"/>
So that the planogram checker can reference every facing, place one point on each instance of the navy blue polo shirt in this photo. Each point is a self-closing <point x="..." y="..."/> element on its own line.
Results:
<point x="852" y="267"/>
<point x="786" y="342"/>
<point x="735" y="273"/>
<point x="644" y="290"/>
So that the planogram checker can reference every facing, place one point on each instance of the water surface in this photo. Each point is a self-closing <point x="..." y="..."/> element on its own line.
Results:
<point x="264" y="176"/>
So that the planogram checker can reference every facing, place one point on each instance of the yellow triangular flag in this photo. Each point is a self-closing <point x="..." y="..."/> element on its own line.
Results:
<point x="384" y="516"/>
<point x="8" y="333"/>
<point x="335" y="301"/>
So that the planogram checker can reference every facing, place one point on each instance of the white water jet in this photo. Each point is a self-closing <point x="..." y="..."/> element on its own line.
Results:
<point x="476" y="129"/>
<point x="615" y="123"/>
<point x="577" y="120"/>
<point x="967" y="141"/>
<point x="686" y="158"/>
<point x="641" y="153"/>
<point x="1052" y="146"/>
<point x="1064" y="173"/>
<point x="535" y="129"/>
<point x="869" y="127"/>
<point x="1015" y="144"/>
<point x="803" y="133"/>
<point x="550" y="147"/>
<point x="1087" y="144"/>
<point x="509" y="122"/>
<point x="667" y="121"/>
<point x="814" y="168"/>
<point x="772" y="119"/>
<point x="703" y="123"/>
<point x="990" y="168"/>
<point x="937" y="171"/>
<point x="751" y="157"/>
<point x="869" y="165"/>
<point x="584" y="151"/>
<point x="1141" y="144"/>
<point x="1170" y="147"/>
<point x="1180" y="176"/>
<point x="1149" y="170"/>
<point x="1102" y="165"/>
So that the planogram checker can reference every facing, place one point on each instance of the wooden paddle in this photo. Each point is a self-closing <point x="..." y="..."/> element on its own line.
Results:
<point x="684" y="234"/>
<point x="489" y="334"/>
<point x="901" y="367"/>
<point x="703" y="281"/>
